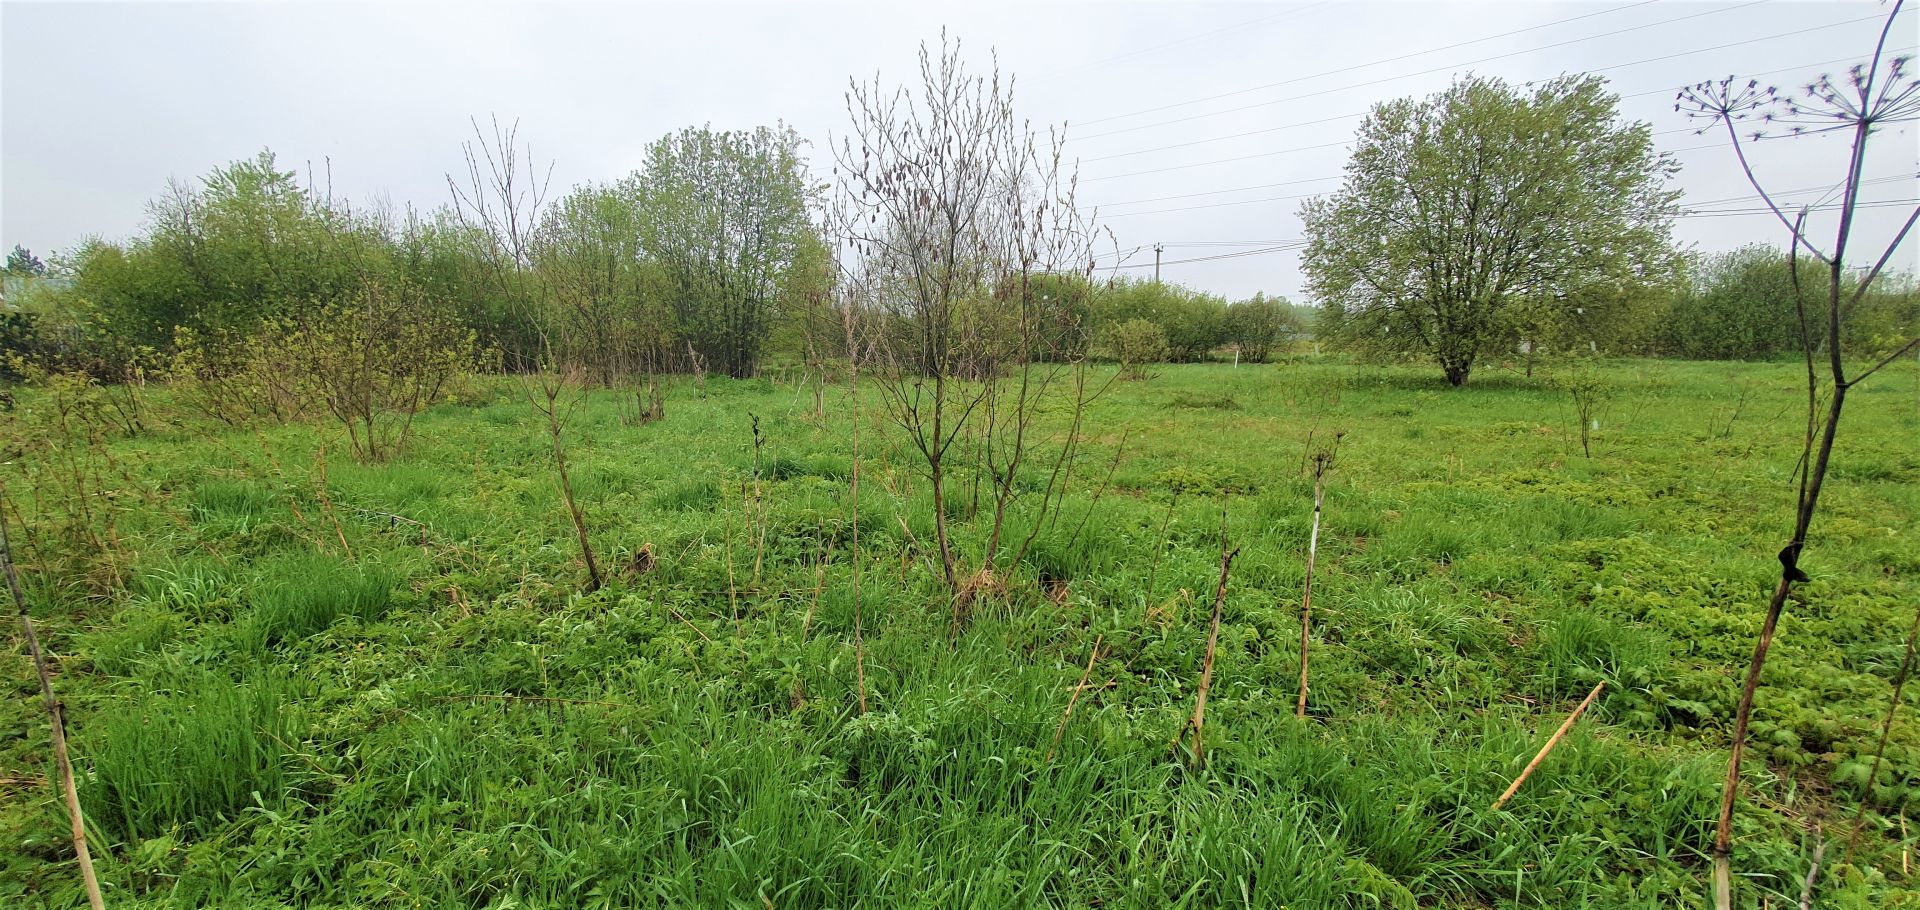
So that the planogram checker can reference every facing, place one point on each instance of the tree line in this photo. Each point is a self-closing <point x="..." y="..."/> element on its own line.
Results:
<point x="711" y="257"/>
<point x="1487" y="221"/>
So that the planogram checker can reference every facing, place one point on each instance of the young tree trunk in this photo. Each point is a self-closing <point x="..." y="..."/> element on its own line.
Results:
<point x="853" y="510"/>
<point x="566" y="493"/>
<point x="937" y="475"/>
<point x="1197" y="723"/>
<point x="1306" y="594"/>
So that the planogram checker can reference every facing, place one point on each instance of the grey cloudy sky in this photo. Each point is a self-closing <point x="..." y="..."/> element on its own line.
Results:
<point x="1198" y="125"/>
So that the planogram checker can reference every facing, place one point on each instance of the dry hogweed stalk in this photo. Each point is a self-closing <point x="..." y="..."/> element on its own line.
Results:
<point x="1872" y="96"/>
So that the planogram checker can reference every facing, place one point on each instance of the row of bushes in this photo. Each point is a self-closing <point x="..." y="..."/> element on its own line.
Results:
<point x="1740" y="306"/>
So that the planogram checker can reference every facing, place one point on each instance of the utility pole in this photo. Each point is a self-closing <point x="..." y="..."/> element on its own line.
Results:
<point x="1157" y="248"/>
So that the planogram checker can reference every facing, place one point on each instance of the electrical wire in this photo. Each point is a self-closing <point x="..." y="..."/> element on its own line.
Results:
<point x="1289" y="247"/>
<point x="1458" y="65"/>
<point x="1829" y="207"/>
<point x="1296" y="245"/>
<point x="1658" y="91"/>
<point x="1324" y="145"/>
<point x="1395" y="59"/>
<point x="1218" y="31"/>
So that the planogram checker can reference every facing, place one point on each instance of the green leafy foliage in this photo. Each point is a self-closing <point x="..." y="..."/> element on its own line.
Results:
<point x="1485" y="216"/>
<point x="1193" y="322"/>
<point x="726" y="216"/>
<point x="1739" y="306"/>
<point x="370" y="362"/>
<point x="1258" y="325"/>
<point x="1134" y="344"/>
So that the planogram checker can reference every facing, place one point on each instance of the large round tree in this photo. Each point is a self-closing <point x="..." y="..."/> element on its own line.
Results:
<point x="1486" y="216"/>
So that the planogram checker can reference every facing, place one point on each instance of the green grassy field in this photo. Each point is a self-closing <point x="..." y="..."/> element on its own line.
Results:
<point x="440" y="719"/>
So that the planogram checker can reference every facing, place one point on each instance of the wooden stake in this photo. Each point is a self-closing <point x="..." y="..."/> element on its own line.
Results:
<point x="56" y="715"/>
<point x="1554" y="741"/>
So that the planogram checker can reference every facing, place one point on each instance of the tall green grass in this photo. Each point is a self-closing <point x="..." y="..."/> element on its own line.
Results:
<point x="296" y="596"/>
<point x="190" y="759"/>
<point x="448" y="721"/>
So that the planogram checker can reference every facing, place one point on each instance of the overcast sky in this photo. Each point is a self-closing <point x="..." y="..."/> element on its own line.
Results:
<point x="1197" y="125"/>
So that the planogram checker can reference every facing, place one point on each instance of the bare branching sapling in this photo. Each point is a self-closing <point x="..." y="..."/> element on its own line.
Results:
<point x="1590" y="393"/>
<point x="557" y="409"/>
<point x="950" y="208"/>
<point x="501" y="202"/>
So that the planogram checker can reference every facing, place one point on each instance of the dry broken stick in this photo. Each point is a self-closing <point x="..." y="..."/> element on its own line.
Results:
<point x="56" y="714"/>
<point x="1554" y="741"/>
<point x="1077" y="689"/>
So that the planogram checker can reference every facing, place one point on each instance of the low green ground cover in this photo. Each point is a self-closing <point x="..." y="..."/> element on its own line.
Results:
<point x="388" y="690"/>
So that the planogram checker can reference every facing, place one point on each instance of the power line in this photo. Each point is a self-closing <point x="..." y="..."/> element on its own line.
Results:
<point x="1281" y="152"/>
<point x="1290" y="246"/>
<point x="1215" y="205"/>
<point x="1873" y="181"/>
<point x="1270" y="129"/>
<point x="1231" y="28"/>
<point x="1876" y="180"/>
<point x="1308" y="148"/>
<point x="1829" y="207"/>
<point x="1784" y="69"/>
<point x="1181" y="167"/>
<point x="1368" y="64"/>
<point x="1226" y="242"/>
<point x="1485" y="60"/>
<point x="1296" y="245"/>
<point x="1657" y="91"/>
<point x="1288" y="126"/>
<point x="1237" y="189"/>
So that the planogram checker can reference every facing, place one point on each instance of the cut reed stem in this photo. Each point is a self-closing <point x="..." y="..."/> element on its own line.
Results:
<point x="1554" y="741"/>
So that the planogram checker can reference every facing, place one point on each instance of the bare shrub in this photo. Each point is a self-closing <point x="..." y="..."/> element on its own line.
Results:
<point x="949" y="209"/>
<point x="369" y="361"/>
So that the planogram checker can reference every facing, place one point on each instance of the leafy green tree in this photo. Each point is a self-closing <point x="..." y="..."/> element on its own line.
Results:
<point x="21" y="263"/>
<point x="1468" y="218"/>
<point x="447" y="259"/>
<point x="606" y="295"/>
<point x="1887" y="317"/>
<point x="248" y="244"/>
<point x="726" y="214"/>
<point x="1063" y="307"/>
<point x="1259" y="324"/>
